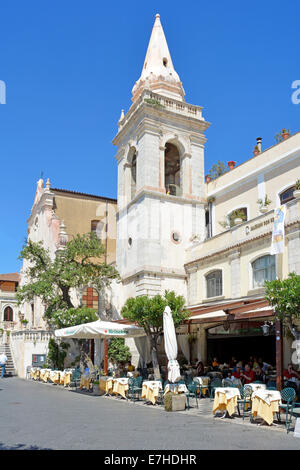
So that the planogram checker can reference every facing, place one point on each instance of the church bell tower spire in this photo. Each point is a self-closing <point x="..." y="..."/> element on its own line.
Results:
<point x="158" y="73"/>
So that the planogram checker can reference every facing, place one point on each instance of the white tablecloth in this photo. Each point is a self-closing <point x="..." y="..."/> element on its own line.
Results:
<point x="257" y="387"/>
<point x="230" y="392"/>
<point x="152" y="384"/>
<point x="267" y="395"/>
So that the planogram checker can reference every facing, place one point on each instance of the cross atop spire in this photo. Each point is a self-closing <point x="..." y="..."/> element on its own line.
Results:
<point x="158" y="72"/>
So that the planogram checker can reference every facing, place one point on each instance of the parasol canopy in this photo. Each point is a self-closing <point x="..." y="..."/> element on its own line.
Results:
<point x="100" y="329"/>
<point x="171" y="345"/>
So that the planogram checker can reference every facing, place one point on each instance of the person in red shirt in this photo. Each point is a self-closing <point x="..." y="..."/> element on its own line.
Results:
<point x="291" y="372"/>
<point x="237" y="373"/>
<point x="248" y="376"/>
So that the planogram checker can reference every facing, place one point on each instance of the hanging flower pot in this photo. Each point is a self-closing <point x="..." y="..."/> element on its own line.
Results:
<point x="256" y="150"/>
<point x="207" y="178"/>
<point x="231" y="165"/>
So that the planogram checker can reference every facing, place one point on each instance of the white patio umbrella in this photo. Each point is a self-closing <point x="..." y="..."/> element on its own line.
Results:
<point x="171" y="345"/>
<point x="100" y="329"/>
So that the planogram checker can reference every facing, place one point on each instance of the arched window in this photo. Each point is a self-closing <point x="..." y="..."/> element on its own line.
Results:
<point x="214" y="284"/>
<point x="287" y="195"/>
<point x="263" y="269"/>
<point x="172" y="170"/>
<point x="8" y="314"/>
<point x="90" y="298"/>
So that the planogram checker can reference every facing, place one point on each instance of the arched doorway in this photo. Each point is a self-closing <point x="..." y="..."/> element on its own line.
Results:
<point x="8" y="314"/>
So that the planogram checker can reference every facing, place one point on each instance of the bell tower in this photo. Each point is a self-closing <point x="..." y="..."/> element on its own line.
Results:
<point x="160" y="158"/>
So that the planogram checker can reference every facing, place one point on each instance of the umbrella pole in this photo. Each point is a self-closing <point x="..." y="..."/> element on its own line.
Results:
<point x="105" y="356"/>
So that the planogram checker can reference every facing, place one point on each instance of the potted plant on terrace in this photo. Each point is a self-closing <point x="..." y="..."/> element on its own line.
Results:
<point x="297" y="189"/>
<point x="24" y="322"/>
<point x="264" y="203"/>
<point x="256" y="150"/>
<point x="238" y="217"/>
<point x="285" y="133"/>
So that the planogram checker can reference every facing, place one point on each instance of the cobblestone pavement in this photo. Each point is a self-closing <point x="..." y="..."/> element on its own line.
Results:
<point x="34" y="415"/>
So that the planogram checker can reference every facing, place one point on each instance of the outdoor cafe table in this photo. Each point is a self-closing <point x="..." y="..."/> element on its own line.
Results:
<point x="204" y="382"/>
<point x="150" y="390"/>
<point x="85" y="382"/>
<point x="175" y="388"/>
<point x="226" y="399"/>
<point x="55" y="376"/>
<point x="45" y="374"/>
<point x="35" y="373"/>
<point x="256" y="386"/>
<point x="265" y="403"/>
<point x="120" y="386"/>
<point x="106" y="384"/>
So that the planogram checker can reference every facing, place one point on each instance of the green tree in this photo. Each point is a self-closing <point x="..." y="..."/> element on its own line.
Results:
<point x="78" y="265"/>
<point x="118" y="351"/>
<point x="218" y="169"/>
<point x="57" y="354"/>
<point x="284" y="296"/>
<point x="147" y="312"/>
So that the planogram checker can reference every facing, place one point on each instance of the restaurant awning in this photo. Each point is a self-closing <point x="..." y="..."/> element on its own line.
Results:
<point x="100" y="329"/>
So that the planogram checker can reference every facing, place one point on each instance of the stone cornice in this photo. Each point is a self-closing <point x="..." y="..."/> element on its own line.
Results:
<point x="160" y="194"/>
<point x="157" y="271"/>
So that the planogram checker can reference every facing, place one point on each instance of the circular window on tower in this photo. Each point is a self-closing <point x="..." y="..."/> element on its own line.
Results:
<point x="175" y="237"/>
<point x="165" y="61"/>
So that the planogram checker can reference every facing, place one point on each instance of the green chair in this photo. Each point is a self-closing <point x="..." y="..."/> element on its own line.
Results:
<point x="192" y="393"/>
<point x="288" y="395"/>
<point x="75" y="379"/>
<point x="245" y="399"/>
<point x="133" y="389"/>
<point x="214" y="384"/>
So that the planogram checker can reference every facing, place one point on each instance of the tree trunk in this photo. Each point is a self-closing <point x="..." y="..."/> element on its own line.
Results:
<point x="153" y="350"/>
<point x="85" y="360"/>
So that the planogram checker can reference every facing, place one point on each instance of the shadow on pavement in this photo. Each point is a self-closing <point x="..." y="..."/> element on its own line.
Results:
<point x="21" y="447"/>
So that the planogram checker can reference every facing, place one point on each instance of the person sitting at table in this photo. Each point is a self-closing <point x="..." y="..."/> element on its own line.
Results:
<point x="259" y="374"/>
<point x="238" y="365"/>
<point x="236" y="373"/>
<point x="215" y="363"/>
<point x="248" y="376"/>
<point x="200" y="369"/>
<point x="290" y="372"/>
<point x="130" y="367"/>
<point x="233" y="362"/>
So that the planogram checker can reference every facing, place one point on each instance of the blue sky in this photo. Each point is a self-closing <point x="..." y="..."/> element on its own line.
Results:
<point x="69" y="68"/>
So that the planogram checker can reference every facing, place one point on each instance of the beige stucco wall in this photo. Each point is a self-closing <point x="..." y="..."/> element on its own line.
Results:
<point x="78" y="211"/>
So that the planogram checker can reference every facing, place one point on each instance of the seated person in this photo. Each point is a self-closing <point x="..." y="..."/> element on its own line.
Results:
<point x="233" y="362"/>
<point x="200" y="369"/>
<point x="130" y="367"/>
<point x="259" y="374"/>
<point x="290" y="373"/>
<point x="248" y="376"/>
<point x="215" y="363"/>
<point x="236" y="373"/>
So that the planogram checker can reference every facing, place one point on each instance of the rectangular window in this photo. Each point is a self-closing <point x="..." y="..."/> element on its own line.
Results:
<point x="214" y="284"/>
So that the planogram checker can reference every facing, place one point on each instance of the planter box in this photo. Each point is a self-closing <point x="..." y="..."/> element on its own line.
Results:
<point x="97" y="390"/>
<point x="263" y="210"/>
<point x="297" y="193"/>
<point x="177" y="403"/>
<point x="238" y="221"/>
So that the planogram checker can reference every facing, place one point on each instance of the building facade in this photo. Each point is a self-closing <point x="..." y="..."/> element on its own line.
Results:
<point x="169" y="229"/>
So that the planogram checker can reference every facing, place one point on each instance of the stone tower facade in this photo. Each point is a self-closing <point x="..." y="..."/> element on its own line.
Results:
<point x="160" y="178"/>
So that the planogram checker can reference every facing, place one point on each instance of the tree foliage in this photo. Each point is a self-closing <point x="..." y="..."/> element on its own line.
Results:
<point x="79" y="265"/>
<point x="118" y="351"/>
<point x="218" y="169"/>
<point x="284" y="296"/>
<point x="147" y="312"/>
<point x="57" y="354"/>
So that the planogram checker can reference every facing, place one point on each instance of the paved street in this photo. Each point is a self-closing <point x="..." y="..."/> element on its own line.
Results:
<point x="41" y="416"/>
